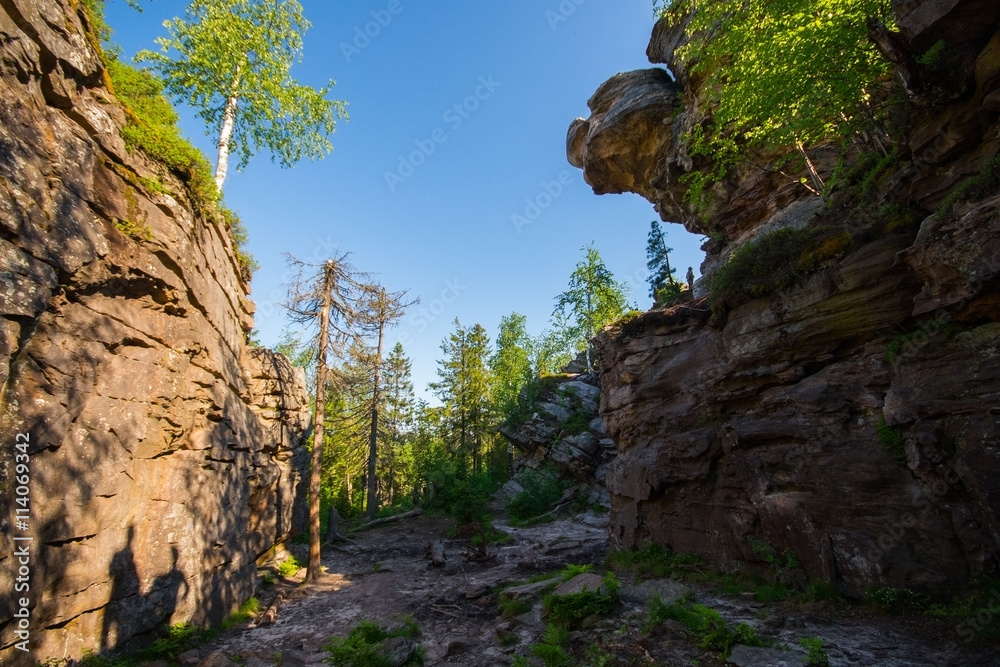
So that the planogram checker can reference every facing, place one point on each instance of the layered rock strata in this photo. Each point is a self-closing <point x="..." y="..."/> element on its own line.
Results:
<point x="843" y="429"/>
<point x="165" y="453"/>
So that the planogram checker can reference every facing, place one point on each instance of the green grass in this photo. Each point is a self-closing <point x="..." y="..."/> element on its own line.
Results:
<point x="652" y="562"/>
<point x="361" y="647"/>
<point x="246" y="613"/>
<point x="894" y="599"/>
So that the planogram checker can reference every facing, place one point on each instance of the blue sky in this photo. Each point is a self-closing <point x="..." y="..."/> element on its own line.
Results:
<point x="444" y="230"/>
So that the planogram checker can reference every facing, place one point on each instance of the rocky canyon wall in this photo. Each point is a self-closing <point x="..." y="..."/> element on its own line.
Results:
<point x="165" y="453"/>
<point x="844" y="428"/>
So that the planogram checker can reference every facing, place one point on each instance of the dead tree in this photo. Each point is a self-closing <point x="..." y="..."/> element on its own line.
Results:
<point x="327" y="297"/>
<point x="384" y="310"/>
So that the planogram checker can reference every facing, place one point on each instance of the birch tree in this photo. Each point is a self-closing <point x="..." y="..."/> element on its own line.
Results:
<point x="231" y="61"/>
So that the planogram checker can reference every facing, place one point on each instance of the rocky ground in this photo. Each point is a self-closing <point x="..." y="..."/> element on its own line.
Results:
<point x="387" y="574"/>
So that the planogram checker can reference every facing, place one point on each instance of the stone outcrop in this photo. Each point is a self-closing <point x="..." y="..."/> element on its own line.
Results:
<point x="845" y="428"/>
<point x="564" y="432"/>
<point x="165" y="452"/>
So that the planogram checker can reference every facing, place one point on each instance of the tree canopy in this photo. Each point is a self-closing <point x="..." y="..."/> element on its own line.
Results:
<point x="231" y="61"/>
<point x="593" y="299"/>
<point x="778" y="73"/>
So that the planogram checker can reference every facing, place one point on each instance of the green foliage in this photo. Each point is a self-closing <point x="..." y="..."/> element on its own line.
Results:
<point x="139" y="231"/>
<point x="894" y="599"/>
<point x="891" y="440"/>
<point x="542" y="489"/>
<point x="652" y="562"/>
<point x="777" y="74"/>
<point x="817" y="652"/>
<point x="510" y="364"/>
<point x="706" y="624"/>
<point x="461" y="493"/>
<point x="511" y="607"/>
<point x="237" y="55"/>
<point x="238" y="233"/>
<point x="569" y="610"/>
<point x="550" y="650"/>
<point x="774" y="261"/>
<point x="289" y="567"/>
<point x="594" y="299"/>
<point x="152" y="128"/>
<point x="979" y="186"/>
<point x="663" y="287"/>
<point x="778" y="564"/>
<point x="246" y="613"/>
<point x="179" y="639"/>
<point x="464" y="389"/>
<point x="361" y="647"/>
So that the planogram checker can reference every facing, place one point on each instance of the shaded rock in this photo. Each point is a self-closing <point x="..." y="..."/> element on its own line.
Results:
<point x="398" y="650"/>
<point x="526" y="590"/>
<point x="166" y="453"/>
<point x="668" y="590"/>
<point x="753" y="656"/>
<point x="216" y="659"/>
<point x="582" y="583"/>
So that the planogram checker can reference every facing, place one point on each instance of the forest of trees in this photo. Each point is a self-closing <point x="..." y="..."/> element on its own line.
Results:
<point x="384" y="450"/>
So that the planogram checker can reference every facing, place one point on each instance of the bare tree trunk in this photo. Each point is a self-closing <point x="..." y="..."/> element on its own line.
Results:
<point x="226" y="133"/>
<point x="373" y="437"/>
<point x="817" y="180"/>
<point x="318" y="419"/>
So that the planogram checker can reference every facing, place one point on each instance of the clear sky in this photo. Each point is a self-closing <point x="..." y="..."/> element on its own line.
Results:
<point x="444" y="231"/>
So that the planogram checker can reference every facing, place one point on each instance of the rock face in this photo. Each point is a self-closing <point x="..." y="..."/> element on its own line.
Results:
<point x="844" y="429"/>
<point x="165" y="454"/>
<point x="564" y="432"/>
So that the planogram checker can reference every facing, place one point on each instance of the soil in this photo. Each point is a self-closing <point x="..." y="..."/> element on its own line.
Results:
<point x="386" y="574"/>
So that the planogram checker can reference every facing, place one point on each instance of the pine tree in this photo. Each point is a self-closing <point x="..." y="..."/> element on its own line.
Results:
<point x="663" y="287"/>
<point x="594" y="300"/>
<point x="398" y="409"/>
<point x="464" y="388"/>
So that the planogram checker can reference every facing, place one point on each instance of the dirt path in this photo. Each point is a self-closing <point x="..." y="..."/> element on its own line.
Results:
<point x="387" y="575"/>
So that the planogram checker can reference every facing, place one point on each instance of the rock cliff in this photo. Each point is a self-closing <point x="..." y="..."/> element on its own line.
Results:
<point x="842" y="426"/>
<point x="165" y="453"/>
<point x="564" y="432"/>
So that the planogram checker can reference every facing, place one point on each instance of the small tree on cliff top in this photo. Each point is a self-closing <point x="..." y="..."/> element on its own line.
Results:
<point x="594" y="299"/>
<point x="232" y="63"/>
<point x="779" y="74"/>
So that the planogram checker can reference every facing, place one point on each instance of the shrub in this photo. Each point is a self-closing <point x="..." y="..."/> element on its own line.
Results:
<point x="289" y="567"/>
<point x="542" y="489"/>
<point x="706" y="624"/>
<point x="361" y="647"/>
<point x="772" y="262"/>
<point x="817" y="653"/>
<point x="891" y="440"/>
<point x="569" y="610"/>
